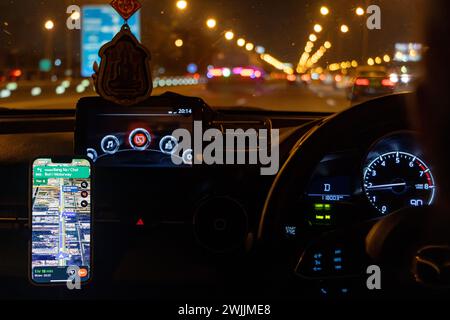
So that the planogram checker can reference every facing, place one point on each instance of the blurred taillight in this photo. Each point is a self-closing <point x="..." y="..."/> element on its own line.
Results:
<point x="216" y="72"/>
<point x="291" y="77"/>
<point x="16" y="73"/>
<point x="387" y="83"/>
<point x="362" y="82"/>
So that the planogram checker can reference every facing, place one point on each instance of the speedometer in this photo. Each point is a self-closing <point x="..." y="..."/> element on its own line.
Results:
<point x="396" y="180"/>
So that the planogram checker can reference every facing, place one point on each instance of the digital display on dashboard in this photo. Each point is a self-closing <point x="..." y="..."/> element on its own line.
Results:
<point x="331" y="180"/>
<point x="136" y="136"/>
<point x="334" y="188"/>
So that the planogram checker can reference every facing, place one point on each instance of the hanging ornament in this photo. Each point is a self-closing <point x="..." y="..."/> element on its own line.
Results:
<point x="124" y="75"/>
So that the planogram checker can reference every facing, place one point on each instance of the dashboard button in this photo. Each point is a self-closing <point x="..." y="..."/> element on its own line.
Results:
<point x="139" y="139"/>
<point x="168" y="145"/>
<point x="187" y="156"/>
<point x="92" y="154"/>
<point x="110" y="144"/>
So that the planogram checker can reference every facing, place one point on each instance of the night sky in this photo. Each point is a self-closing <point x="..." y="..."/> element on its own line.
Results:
<point x="281" y="26"/>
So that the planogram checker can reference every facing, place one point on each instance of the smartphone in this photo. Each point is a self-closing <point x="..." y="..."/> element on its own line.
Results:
<point x="61" y="220"/>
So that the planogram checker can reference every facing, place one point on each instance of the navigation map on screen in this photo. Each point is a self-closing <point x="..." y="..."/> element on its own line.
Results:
<point x="61" y="219"/>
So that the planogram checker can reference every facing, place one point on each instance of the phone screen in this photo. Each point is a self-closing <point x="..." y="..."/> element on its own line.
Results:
<point x="60" y="220"/>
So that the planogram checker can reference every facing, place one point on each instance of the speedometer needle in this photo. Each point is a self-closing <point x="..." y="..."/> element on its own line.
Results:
<point x="387" y="186"/>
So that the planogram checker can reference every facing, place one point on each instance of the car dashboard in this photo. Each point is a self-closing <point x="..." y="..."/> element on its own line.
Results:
<point x="216" y="230"/>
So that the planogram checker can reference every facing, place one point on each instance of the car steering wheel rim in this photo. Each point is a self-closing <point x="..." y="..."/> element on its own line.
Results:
<point x="306" y="155"/>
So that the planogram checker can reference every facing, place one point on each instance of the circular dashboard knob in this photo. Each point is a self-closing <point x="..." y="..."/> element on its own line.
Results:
<point x="221" y="224"/>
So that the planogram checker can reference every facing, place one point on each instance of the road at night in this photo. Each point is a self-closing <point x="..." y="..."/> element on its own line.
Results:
<point x="273" y="96"/>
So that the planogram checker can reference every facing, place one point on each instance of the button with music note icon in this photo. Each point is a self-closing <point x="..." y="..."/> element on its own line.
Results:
<point x="110" y="144"/>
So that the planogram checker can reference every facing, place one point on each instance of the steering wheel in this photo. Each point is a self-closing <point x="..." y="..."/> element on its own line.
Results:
<point x="392" y="242"/>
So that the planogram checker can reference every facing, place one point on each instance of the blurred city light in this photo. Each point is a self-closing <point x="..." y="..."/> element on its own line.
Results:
<point x="12" y="86"/>
<point x="405" y="78"/>
<point x="359" y="11"/>
<point x="49" y="25"/>
<point x="344" y="28"/>
<point x="393" y="77"/>
<point x="229" y="35"/>
<point x="370" y="62"/>
<point x="312" y="37"/>
<point x="36" y="91"/>
<point x="80" y="88"/>
<point x="179" y="43"/>
<point x="192" y="68"/>
<point x="60" y="90"/>
<point x="226" y="72"/>
<point x="249" y="46"/>
<point x="65" y="84"/>
<point x="387" y="58"/>
<point x="5" y="93"/>
<point x="327" y="44"/>
<point x="317" y="28"/>
<point x="211" y="23"/>
<point x="277" y="64"/>
<point x="324" y="11"/>
<point x="182" y="4"/>
<point x="260" y="50"/>
<point x="241" y="42"/>
<point x="16" y="73"/>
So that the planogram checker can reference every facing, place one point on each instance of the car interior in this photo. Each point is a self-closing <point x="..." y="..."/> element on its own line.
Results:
<point x="355" y="193"/>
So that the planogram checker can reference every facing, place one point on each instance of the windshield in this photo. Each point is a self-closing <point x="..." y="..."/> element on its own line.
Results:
<point x="289" y="55"/>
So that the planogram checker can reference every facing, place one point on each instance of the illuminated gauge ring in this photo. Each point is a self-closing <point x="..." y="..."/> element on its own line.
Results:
<point x="397" y="180"/>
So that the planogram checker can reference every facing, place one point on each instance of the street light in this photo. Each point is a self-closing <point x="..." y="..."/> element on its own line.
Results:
<point x="49" y="25"/>
<point x="324" y="11"/>
<point x="327" y="44"/>
<point x="249" y="46"/>
<point x="179" y="43"/>
<point x="359" y="11"/>
<point x="312" y="37"/>
<point x="241" y="42"/>
<point x="211" y="23"/>
<point x="378" y="60"/>
<point x="370" y="62"/>
<point x="344" y="28"/>
<point x="229" y="35"/>
<point x="387" y="58"/>
<point x="182" y="4"/>
<point x="317" y="28"/>
<point x="260" y="49"/>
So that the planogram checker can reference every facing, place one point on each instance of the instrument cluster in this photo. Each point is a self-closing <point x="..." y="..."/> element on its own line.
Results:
<point x="354" y="185"/>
